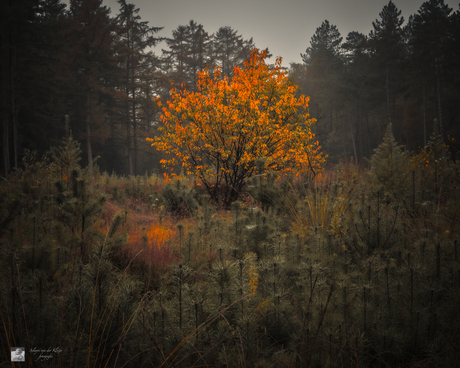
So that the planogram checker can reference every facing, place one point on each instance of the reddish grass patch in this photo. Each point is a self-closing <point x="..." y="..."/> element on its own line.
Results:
<point x="150" y="242"/>
<point x="109" y="211"/>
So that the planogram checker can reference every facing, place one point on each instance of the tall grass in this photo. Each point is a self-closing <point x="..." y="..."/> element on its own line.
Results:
<point x="337" y="272"/>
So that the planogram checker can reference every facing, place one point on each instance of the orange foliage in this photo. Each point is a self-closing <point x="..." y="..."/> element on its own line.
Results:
<point x="151" y="244"/>
<point x="157" y="235"/>
<point x="224" y="131"/>
<point x="148" y="241"/>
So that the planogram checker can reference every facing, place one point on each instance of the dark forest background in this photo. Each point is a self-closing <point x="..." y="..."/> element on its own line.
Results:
<point x="93" y="72"/>
<point x="117" y="266"/>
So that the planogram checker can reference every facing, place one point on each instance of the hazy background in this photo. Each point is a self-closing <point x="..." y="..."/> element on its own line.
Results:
<point x="285" y="27"/>
<point x="62" y="71"/>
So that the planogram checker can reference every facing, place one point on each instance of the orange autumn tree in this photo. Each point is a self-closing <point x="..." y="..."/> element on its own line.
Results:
<point x="224" y="131"/>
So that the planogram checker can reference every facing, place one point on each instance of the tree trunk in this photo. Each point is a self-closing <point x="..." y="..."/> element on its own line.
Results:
<point x="360" y="130"/>
<point x="14" y="118"/>
<point x="424" y="116"/>
<point x="134" y="130"/>
<point x="88" y="134"/>
<point x="128" y="143"/>
<point x="438" y="84"/>
<point x="368" y="135"/>
<point x="6" y="148"/>
<point x="6" y="64"/>
<point x="128" y="127"/>
<point x="13" y="56"/>
<point x="353" y="141"/>
<point x="387" y="88"/>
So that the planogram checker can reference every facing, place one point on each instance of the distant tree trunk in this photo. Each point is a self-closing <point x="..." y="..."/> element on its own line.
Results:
<point x="342" y="128"/>
<point x="6" y="65"/>
<point x="5" y="116"/>
<point x="6" y="148"/>
<point x="331" y="118"/>
<point x="127" y="117"/>
<point x="387" y="88"/>
<point x="369" y="135"/>
<point x="424" y="116"/>
<point x="134" y="133"/>
<point x="88" y="134"/>
<point x="14" y="118"/>
<point x="128" y="142"/>
<point x="353" y="140"/>
<point x="360" y="130"/>
<point x="9" y="108"/>
<point x="438" y="84"/>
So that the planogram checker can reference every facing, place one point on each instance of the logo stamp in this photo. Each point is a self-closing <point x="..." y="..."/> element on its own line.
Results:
<point x="18" y="354"/>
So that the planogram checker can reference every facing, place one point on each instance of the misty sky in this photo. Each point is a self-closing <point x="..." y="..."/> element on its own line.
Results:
<point x="284" y="26"/>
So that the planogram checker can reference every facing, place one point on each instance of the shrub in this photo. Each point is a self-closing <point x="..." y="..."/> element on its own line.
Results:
<point x="179" y="200"/>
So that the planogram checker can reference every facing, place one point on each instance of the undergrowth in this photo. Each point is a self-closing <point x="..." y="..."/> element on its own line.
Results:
<point x="357" y="268"/>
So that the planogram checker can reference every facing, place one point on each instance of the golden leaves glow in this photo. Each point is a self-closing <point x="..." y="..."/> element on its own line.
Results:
<point x="226" y="126"/>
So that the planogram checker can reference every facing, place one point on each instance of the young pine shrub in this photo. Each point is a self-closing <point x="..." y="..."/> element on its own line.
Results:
<point x="66" y="159"/>
<point x="264" y="189"/>
<point x="179" y="200"/>
<point x="389" y="170"/>
<point x="436" y="169"/>
<point x="103" y="304"/>
<point x="206" y="227"/>
<point x="78" y="210"/>
<point x="260" y="236"/>
<point x="378" y="225"/>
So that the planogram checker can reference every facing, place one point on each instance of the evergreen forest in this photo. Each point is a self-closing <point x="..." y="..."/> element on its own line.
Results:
<point x="345" y="255"/>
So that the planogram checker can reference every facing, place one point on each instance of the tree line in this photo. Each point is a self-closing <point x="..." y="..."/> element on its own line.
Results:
<point x="403" y="73"/>
<point x="83" y="70"/>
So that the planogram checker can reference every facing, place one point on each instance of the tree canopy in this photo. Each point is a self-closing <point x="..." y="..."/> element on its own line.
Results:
<point x="225" y="130"/>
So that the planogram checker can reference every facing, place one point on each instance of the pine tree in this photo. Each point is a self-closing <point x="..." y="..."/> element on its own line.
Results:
<point x="174" y="58"/>
<point x="230" y="50"/>
<point x="356" y="92"/>
<point x="324" y="66"/>
<point x="430" y="53"/>
<point x="386" y="43"/>
<point x="30" y="48"/>
<point x="138" y="68"/>
<point x="389" y="166"/>
<point x="66" y="158"/>
<point x="189" y="52"/>
<point x="91" y="67"/>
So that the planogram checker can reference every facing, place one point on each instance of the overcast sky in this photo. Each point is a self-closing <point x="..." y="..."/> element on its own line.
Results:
<point x="284" y="26"/>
